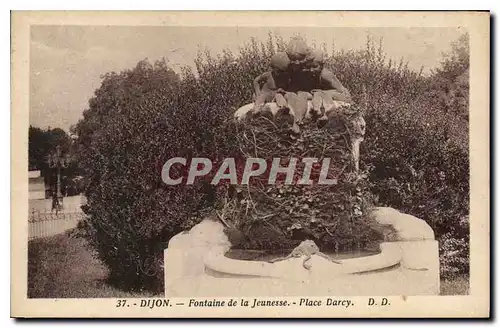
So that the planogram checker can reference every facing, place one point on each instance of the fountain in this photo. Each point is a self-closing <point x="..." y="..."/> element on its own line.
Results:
<point x="407" y="262"/>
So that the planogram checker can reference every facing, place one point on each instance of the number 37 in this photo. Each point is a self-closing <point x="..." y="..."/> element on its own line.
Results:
<point x="121" y="303"/>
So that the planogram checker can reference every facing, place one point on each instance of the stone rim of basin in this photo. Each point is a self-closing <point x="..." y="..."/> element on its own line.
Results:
<point x="216" y="261"/>
<point x="407" y="229"/>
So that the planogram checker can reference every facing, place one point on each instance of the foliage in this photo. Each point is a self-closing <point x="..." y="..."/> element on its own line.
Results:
<point x="121" y="144"/>
<point x="454" y="250"/>
<point x="141" y="117"/>
<point x="449" y="87"/>
<point x="417" y="154"/>
<point x="41" y="143"/>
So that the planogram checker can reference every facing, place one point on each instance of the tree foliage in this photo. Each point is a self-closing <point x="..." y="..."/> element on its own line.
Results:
<point x="42" y="143"/>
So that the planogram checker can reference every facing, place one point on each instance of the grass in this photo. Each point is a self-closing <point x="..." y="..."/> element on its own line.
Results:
<point x="62" y="266"/>
<point x="455" y="286"/>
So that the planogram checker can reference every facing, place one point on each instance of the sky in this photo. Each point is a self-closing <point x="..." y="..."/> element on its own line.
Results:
<point x="67" y="62"/>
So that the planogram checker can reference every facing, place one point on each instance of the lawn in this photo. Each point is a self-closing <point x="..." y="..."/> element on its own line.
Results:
<point x="62" y="266"/>
<point x="455" y="286"/>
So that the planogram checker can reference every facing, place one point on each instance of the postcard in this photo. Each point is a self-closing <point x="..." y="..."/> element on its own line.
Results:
<point x="247" y="164"/>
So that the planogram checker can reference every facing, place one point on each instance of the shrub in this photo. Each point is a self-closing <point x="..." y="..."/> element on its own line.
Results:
<point x="455" y="251"/>
<point x="121" y="145"/>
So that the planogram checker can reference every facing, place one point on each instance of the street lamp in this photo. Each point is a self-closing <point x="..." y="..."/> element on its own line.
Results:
<point x="57" y="161"/>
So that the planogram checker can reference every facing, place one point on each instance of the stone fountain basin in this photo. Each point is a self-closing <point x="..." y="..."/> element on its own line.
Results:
<point x="292" y="269"/>
<point x="197" y="266"/>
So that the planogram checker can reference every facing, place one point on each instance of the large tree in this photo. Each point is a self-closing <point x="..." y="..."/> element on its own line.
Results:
<point x="42" y="142"/>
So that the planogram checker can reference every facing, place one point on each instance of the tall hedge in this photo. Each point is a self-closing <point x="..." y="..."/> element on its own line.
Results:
<point x="139" y="118"/>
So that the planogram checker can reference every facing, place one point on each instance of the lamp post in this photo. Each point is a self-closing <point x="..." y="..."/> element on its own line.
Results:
<point x="57" y="161"/>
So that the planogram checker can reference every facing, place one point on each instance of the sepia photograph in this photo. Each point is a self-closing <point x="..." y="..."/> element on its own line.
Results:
<point x="281" y="167"/>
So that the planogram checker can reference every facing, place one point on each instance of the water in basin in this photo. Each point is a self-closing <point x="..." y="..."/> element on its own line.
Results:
<point x="267" y="255"/>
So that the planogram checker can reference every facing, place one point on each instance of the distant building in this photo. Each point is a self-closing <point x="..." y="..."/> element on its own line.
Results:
<point x="40" y="196"/>
<point x="36" y="185"/>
